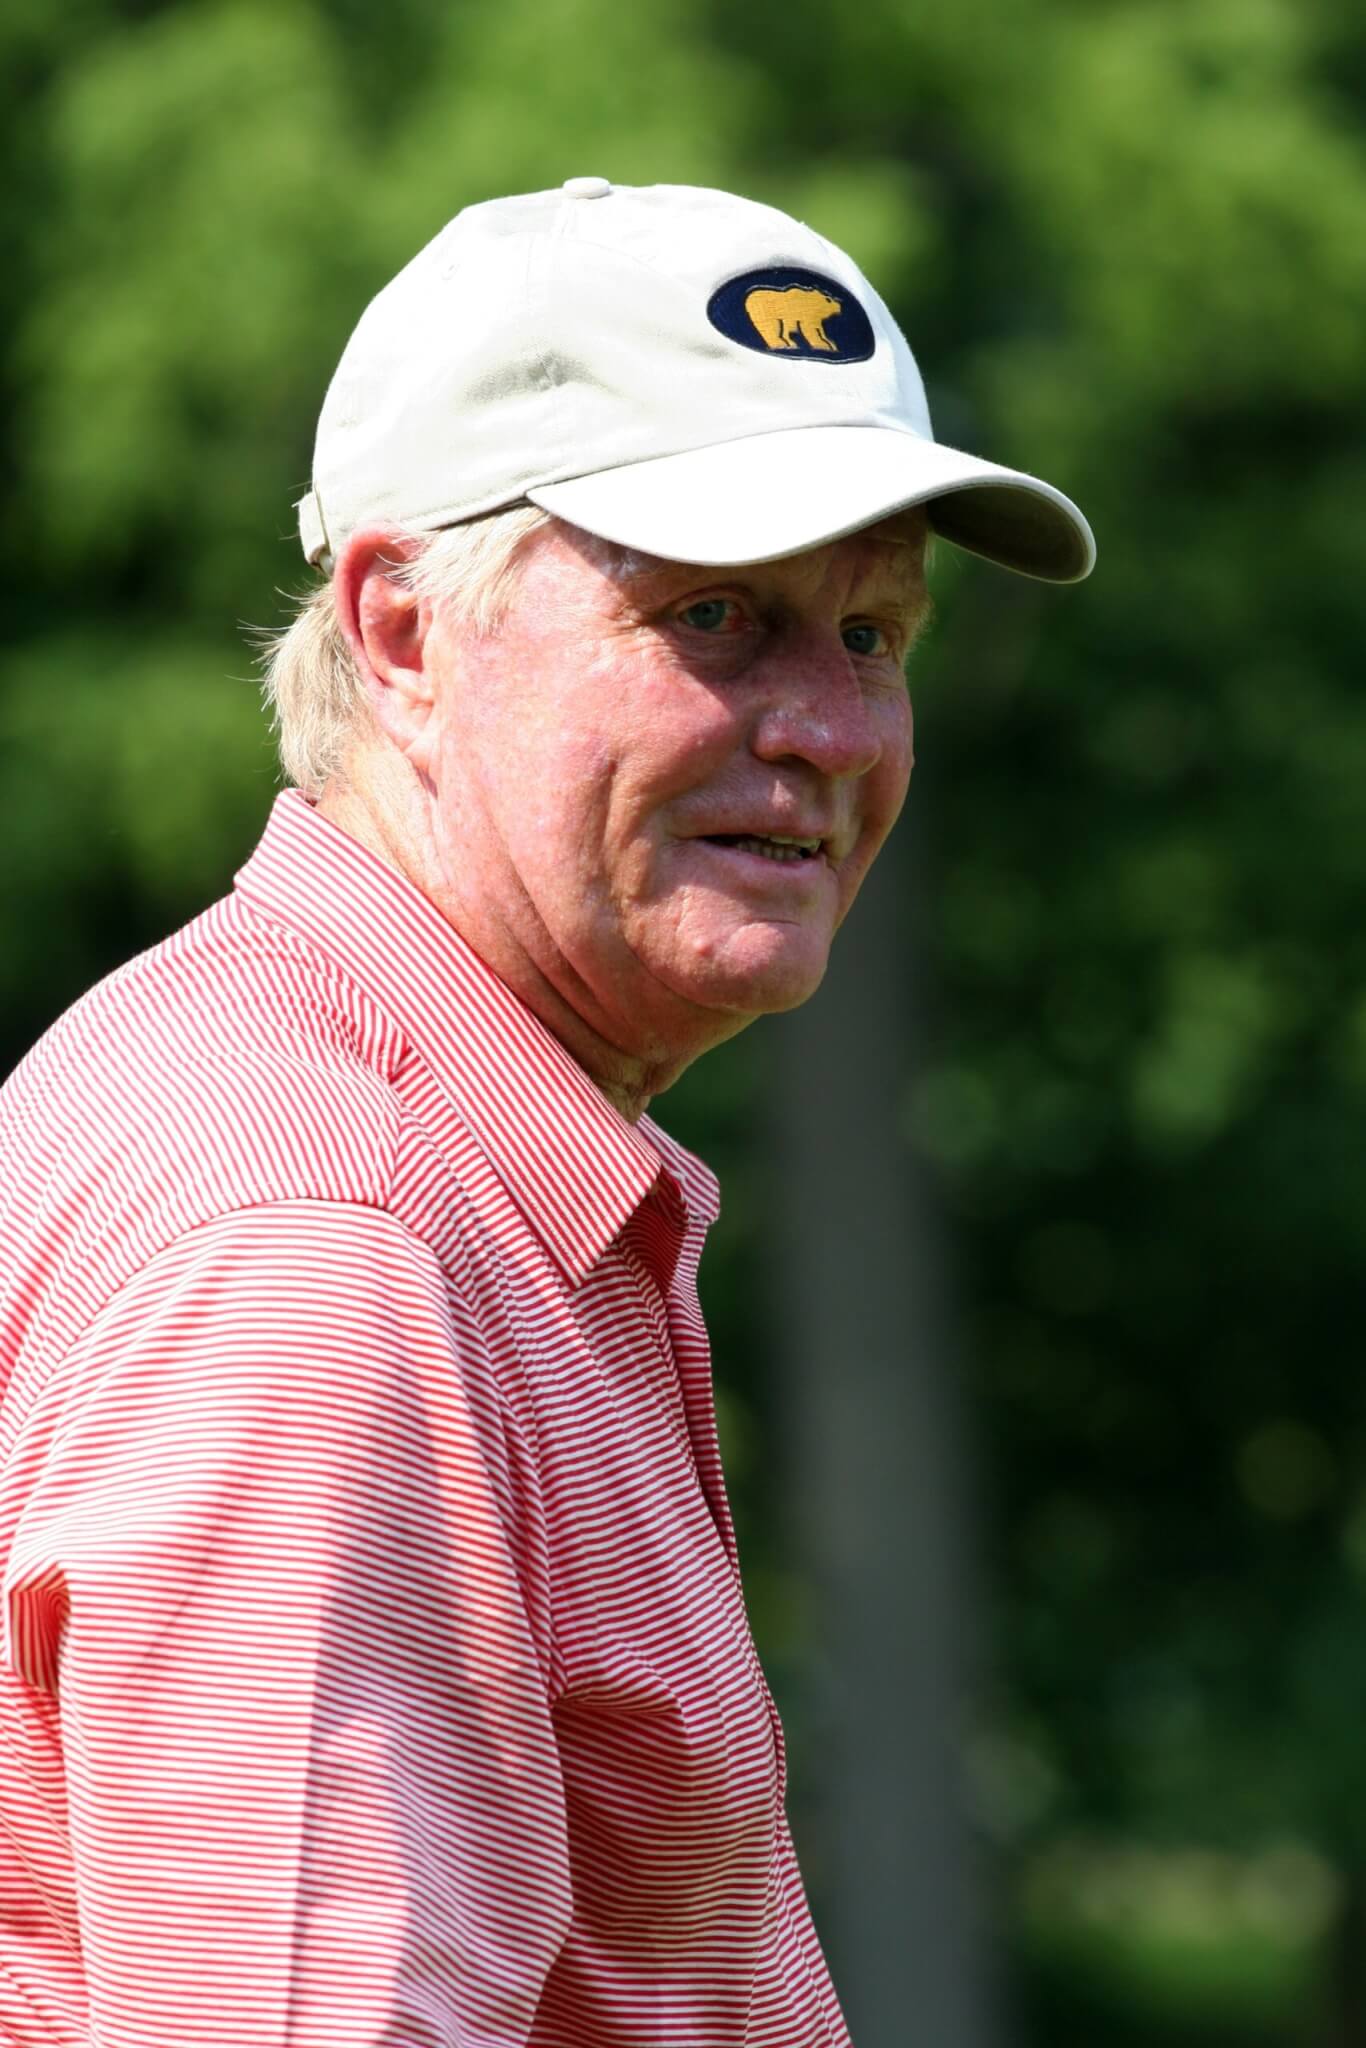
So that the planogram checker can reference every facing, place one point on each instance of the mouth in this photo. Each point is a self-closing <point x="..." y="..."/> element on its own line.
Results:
<point x="775" y="846"/>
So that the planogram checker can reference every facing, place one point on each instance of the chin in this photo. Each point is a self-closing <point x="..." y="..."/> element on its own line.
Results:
<point x="755" y="981"/>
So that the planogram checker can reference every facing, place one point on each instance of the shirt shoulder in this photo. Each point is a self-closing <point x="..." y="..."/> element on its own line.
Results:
<point x="230" y="1066"/>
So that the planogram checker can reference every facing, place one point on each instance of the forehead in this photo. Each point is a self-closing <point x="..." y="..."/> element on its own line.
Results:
<point x="894" y="547"/>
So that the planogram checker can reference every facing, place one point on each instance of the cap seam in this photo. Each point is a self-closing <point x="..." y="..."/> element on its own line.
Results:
<point x="538" y="280"/>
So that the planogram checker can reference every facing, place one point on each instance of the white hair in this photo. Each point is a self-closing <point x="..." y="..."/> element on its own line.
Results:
<point x="312" y="686"/>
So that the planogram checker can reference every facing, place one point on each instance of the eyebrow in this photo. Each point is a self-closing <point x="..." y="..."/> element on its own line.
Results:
<point x="916" y="606"/>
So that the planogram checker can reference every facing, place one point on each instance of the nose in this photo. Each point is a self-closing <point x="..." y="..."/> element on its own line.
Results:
<point x="817" y="710"/>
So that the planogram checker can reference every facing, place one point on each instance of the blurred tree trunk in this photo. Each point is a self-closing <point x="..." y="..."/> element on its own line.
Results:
<point x="874" y="1500"/>
<point x="1345" y="2020"/>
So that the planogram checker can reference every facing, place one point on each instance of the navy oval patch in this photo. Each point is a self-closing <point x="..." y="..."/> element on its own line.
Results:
<point x="796" y="314"/>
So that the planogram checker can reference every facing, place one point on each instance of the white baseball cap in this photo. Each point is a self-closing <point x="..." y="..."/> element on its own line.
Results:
<point x="688" y="373"/>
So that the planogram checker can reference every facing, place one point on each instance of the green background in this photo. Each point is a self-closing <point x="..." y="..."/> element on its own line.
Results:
<point x="1128" y="244"/>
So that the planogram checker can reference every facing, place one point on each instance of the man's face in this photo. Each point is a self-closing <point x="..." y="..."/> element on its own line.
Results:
<point x="621" y="768"/>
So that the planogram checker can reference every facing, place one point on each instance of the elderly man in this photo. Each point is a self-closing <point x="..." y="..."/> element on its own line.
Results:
<point x="375" y="1665"/>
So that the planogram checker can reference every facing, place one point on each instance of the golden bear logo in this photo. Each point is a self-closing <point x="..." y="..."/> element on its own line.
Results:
<point x="791" y="315"/>
<point x="781" y="318"/>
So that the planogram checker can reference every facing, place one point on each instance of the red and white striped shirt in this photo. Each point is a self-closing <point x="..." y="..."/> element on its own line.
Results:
<point x="375" y="1665"/>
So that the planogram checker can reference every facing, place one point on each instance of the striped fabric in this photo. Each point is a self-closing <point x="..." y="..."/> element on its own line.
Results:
<point x="374" y="1662"/>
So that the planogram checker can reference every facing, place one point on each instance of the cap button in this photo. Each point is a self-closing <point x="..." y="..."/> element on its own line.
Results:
<point x="587" y="188"/>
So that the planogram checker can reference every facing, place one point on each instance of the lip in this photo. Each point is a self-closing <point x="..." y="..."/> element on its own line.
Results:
<point x="758" y="866"/>
<point x="791" y="828"/>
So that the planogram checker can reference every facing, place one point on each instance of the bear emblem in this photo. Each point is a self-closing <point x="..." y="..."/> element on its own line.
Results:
<point x="783" y="318"/>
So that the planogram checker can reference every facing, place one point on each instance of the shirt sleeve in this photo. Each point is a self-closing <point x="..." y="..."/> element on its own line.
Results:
<point x="271" y="1562"/>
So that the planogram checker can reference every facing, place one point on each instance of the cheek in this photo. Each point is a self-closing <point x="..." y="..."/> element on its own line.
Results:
<point x="884" y="793"/>
<point x="672" y="740"/>
<point x="890" y="779"/>
<point x="581" y="816"/>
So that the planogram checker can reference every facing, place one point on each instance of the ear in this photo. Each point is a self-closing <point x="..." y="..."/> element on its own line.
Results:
<point x="386" y="627"/>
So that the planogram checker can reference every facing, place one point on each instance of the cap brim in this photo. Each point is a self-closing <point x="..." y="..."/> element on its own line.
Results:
<point x="769" y="495"/>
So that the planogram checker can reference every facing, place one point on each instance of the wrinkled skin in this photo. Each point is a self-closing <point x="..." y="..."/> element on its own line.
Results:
<point x="561" y="775"/>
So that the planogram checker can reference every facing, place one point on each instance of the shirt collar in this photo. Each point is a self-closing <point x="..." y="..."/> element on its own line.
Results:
<point x="575" y="1167"/>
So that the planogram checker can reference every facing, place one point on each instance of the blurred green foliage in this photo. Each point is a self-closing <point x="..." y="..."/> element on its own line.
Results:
<point x="1126" y="242"/>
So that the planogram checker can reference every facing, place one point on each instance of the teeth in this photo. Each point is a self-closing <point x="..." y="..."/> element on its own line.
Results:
<point x="774" y="847"/>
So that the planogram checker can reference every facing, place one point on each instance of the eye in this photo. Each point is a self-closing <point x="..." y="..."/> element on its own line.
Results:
<point x="866" y="640"/>
<point x="713" y="615"/>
